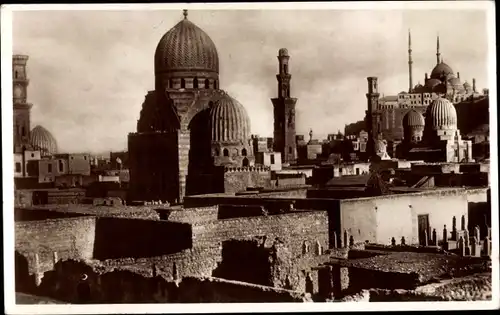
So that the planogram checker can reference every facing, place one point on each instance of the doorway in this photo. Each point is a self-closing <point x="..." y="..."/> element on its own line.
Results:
<point x="423" y="226"/>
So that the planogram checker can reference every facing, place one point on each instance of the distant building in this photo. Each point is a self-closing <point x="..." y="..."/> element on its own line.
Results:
<point x="270" y="159"/>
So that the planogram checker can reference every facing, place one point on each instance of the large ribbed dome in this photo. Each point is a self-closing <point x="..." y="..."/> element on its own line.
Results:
<point x="229" y="121"/>
<point x="413" y="119"/>
<point x="41" y="139"/>
<point x="441" y="114"/>
<point x="186" y="47"/>
<point x="440" y="70"/>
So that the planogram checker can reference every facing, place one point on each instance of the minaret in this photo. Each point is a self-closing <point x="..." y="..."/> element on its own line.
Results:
<point x="22" y="108"/>
<point x="410" y="63"/>
<point x="284" y="112"/>
<point x="438" y="54"/>
<point x="474" y="85"/>
<point x="372" y="118"/>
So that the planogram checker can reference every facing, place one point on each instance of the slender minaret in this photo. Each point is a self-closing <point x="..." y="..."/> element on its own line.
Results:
<point x="438" y="54"/>
<point x="410" y="63"/>
<point x="284" y="112"/>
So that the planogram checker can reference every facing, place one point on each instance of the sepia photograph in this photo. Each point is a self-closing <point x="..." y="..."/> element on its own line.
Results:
<point x="194" y="157"/>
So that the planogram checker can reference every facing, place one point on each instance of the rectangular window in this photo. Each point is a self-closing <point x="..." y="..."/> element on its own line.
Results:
<point x="272" y="158"/>
<point x="49" y="168"/>
<point x="18" y="167"/>
<point x="61" y="166"/>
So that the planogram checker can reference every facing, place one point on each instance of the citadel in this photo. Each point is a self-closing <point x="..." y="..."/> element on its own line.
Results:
<point x="200" y="210"/>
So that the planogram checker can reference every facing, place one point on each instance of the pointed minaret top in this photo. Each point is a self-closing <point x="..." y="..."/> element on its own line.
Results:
<point x="409" y="39"/>
<point x="185" y="13"/>
<point x="437" y="50"/>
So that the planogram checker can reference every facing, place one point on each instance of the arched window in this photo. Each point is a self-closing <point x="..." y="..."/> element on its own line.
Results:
<point x="244" y="152"/>
<point x="245" y="162"/>
<point x="206" y="83"/>
<point x="23" y="131"/>
<point x="216" y="84"/>
<point x="226" y="152"/>
<point x="285" y="68"/>
<point x="216" y="152"/>
<point x="195" y="83"/>
<point x="183" y="84"/>
<point x="16" y="74"/>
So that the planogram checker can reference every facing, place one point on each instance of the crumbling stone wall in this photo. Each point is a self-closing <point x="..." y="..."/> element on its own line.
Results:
<point x="239" y="181"/>
<point x="291" y="228"/>
<point x="79" y="282"/>
<point x="69" y="237"/>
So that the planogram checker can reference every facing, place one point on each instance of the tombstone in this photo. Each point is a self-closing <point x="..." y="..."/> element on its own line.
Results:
<point x="393" y="241"/>
<point x="351" y="240"/>
<point x="403" y="241"/>
<point x="426" y="238"/>
<point x="476" y="247"/>
<point x="477" y="232"/>
<point x="434" y="237"/>
<point x="466" y="238"/>
<point x="462" y="221"/>
<point x="334" y="239"/>
<point x="319" y="249"/>
<point x="305" y="247"/>
<point x="55" y="257"/>
<point x="454" y="229"/>
<point x="445" y="235"/>
<point x="461" y="246"/>
<point x="38" y="274"/>
<point x="487" y="247"/>
<point x="346" y="239"/>
<point x="175" y="272"/>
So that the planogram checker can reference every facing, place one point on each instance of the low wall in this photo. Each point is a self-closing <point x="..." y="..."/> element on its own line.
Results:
<point x="293" y="229"/>
<point x="69" y="237"/>
<point x="190" y="215"/>
<point x="21" y="214"/>
<point x="66" y="283"/>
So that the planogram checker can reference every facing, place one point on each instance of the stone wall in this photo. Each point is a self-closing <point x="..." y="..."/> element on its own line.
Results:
<point x="69" y="237"/>
<point x="21" y="214"/>
<point x="189" y="215"/>
<point x="292" y="229"/>
<point x="77" y="282"/>
<point x="239" y="180"/>
<point x="23" y="198"/>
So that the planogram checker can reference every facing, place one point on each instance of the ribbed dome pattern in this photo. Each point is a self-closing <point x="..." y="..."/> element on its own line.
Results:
<point x="440" y="70"/>
<point x="186" y="47"/>
<point x="413" y="119"/>
<point x="229" y="121"/>
<point x="441" y="114"/>
<point x="41" y="139"/>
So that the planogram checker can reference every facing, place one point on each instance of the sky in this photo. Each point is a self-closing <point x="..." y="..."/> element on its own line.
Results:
<point x="90" y="70"/>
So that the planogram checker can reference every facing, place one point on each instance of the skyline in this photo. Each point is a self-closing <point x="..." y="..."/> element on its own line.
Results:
<point x="103" y="78"/>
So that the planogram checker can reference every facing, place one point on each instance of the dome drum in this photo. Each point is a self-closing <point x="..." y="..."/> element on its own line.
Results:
<point x="185" y="80"/>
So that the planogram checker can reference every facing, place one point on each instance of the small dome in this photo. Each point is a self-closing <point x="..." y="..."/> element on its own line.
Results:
<point x="467" y="85"/>
<point x="440" y="70"/>
<point x="41" y="139"/>
<point x="413" y="119"/>
<point x="283" y="52"/>
<point x="431" y="83"/>
<point x="455" y="82"/>
<point x="186" y="47"/>
<point x="229" y="121"/>
<point x="441" y="114"/>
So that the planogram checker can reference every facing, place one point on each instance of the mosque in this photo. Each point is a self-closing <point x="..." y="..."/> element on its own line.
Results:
<point x="190" y="133"/>
<point x="443" y="82"/>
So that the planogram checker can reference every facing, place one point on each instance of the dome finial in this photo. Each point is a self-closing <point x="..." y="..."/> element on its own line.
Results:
<point x="185" y="13"/>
